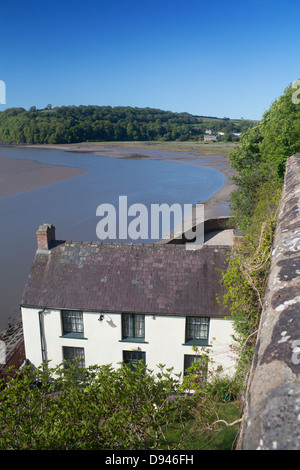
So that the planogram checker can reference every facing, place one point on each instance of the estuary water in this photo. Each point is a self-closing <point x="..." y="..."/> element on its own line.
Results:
<point x="71" y="205"/>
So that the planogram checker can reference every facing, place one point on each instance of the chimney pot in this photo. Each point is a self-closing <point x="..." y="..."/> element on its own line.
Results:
<point x="45" y="236"/>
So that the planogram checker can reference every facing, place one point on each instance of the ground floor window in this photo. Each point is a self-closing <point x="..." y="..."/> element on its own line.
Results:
<point x="134" y="357"/>
<point x="197" y="364"/>
<point x="75" y="355"/>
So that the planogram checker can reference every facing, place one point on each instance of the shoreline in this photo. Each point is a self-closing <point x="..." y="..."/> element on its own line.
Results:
<point x="24" y="175"/>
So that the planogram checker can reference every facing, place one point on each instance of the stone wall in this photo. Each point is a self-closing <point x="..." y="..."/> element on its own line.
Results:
<point x="272" y="407"/>
<point x="216" y="224"/>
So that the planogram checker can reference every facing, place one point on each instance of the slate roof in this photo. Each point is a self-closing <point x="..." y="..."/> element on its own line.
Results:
<point x="138" y="278"/>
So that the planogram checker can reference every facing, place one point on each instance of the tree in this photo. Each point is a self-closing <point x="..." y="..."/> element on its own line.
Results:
<point x="281" y="131"/>
<point x="262" y="154"/>
<point x="82" y="123"/>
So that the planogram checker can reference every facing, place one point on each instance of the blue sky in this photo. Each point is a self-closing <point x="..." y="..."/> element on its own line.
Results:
<point x="219" y="58"/>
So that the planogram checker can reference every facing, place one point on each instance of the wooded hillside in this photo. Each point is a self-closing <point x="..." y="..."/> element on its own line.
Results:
<point x="72" y="124"/>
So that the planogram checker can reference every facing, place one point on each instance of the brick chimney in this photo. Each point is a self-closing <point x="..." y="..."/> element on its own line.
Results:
<point x="45" y="236"/>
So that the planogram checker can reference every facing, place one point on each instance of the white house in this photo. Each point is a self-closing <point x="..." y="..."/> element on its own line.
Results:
<point x="105" y="303"/>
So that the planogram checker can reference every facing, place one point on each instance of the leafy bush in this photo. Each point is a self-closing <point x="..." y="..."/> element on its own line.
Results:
<point x="260" y="165"/>
<point x="224" y="389"/>
<point x="101" y="408"/>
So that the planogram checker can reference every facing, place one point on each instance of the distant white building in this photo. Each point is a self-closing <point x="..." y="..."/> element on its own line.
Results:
<point x="104" y="303"/>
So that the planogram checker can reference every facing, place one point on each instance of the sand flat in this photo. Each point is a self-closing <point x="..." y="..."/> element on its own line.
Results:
<point x="18" y="175"/>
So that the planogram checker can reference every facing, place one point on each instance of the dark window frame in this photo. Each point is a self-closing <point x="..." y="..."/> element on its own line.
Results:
<point x="197" y="331"/>
<point x="75" y="355"/>
<point x="188" y="361"/>
<point x="72" y="323"/>
<point x="133" y="327"/>
<point x="128" y="358"/>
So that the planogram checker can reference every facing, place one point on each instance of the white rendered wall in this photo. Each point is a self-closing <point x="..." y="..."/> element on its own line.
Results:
<point x="102" y="342"/>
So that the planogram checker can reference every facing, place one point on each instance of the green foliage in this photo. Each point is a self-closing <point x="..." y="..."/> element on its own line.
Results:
<point x="246" y="279"/>
<point x="71" y="124"/>
<point x="100" y="408"/>
<point x="280" y="127"/>
<point x="261" y="156"/>
<point x="260" y="165"/>
<point x="225" y="432"/>
<point x="248" y="269"/>
<point x="223" y="389"/>
<point x="94" y="408"/>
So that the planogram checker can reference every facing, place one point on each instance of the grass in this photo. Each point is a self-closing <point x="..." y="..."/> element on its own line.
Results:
<point x="198" y="148"/>
<point x="221" y="437"/>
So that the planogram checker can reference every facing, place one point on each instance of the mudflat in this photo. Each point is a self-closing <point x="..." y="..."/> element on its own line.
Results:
<point x="17" y="176"/>
<point x="212" y="155"/>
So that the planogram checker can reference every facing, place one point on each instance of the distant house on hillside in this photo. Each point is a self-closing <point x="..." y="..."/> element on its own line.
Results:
<point x="104" y="303"/>
<point x="208" y="131"/>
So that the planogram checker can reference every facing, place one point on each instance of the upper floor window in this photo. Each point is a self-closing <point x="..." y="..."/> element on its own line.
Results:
<point x="72" y="323"/>
<point x="133" y="327"/>
<point x="197" y="331"/>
